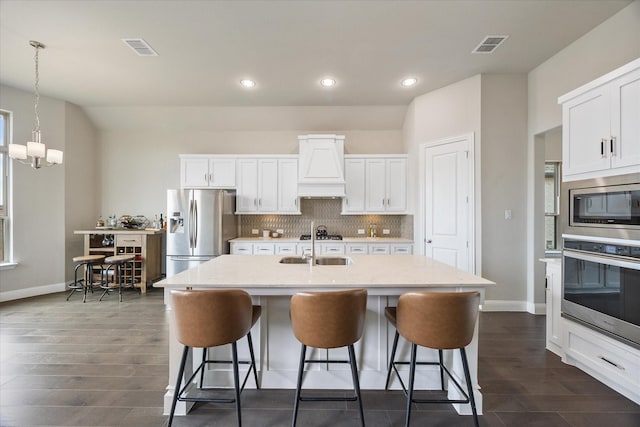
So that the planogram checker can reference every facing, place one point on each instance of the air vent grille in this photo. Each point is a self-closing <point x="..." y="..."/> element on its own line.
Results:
<point x="140" y="47"/>
<point x="489" y="44"/>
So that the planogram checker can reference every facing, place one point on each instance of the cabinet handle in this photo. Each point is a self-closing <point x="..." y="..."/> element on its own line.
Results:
<point x="611" y="146"/>
<point x="611" y="363"/>
<point x="255" y="202"/>
<point x="602" y="148"/>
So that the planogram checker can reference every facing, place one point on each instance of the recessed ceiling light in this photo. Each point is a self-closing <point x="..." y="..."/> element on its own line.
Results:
<point x="409" y="81"/>
<point x="327" y="82"/>
<point x="247" y="83"/>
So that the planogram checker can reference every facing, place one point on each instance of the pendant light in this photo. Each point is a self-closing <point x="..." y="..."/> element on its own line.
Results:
<point x="35" y="149"/>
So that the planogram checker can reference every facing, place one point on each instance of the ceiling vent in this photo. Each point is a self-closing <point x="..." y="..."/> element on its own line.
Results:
<point x="489" y="44"/>
<point x="140" y="47"/>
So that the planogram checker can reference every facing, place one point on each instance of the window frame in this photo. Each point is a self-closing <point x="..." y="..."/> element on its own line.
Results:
<point x="555" y="213"/>
<point x="6" y="248"/>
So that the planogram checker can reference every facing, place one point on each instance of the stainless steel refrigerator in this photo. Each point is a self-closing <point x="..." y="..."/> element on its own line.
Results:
<point x="200" y="225"/>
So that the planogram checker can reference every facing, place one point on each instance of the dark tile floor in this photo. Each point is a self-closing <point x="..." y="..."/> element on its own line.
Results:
<point x="105" y="364"/>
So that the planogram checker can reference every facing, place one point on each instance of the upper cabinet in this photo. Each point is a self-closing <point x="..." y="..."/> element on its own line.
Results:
<point x="601" y="126"/>
<point x="202" y="171"/>
<point x="375" y="184"/>
<point x="267" y="185"/>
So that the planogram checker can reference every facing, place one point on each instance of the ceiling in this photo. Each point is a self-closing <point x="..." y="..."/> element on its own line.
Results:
<point x="206" y="47"/>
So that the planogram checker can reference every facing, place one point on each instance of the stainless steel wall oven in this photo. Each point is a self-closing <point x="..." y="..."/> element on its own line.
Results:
<point x="601" y="287"/>
<point x="601" y="255"/>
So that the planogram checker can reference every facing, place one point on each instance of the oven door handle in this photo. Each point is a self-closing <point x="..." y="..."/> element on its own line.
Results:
<point x="616" y="262"/>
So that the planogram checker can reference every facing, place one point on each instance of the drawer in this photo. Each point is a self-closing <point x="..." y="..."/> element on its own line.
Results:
<point x="379" y="249"/>
<point x="604" y="355"/>
<point x="241" y="248"/>
<point x="285" y="248"/>
<point x="333" y="248"/>
<point x="128" y="240"/>
<point x="401" y="249"/>
<point x="357" y="248"/>
<point x="263" y="249"/>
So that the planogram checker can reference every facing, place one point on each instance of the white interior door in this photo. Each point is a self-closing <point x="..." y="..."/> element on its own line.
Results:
<point x="448" y="225"/>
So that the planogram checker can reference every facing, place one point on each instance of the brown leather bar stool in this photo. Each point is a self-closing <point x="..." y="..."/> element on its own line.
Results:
<point x="86" y="283"/>
<point x="437" y="320"/>
<point x="328" y="320"/>
<point x="211" y="318"/>
<point x="117" y="265"/>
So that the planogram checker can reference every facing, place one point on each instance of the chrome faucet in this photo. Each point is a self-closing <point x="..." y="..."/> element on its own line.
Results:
<point x="311" y="259"/>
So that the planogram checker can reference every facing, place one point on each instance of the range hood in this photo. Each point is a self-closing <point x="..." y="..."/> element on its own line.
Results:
<point x="321" y="166"/>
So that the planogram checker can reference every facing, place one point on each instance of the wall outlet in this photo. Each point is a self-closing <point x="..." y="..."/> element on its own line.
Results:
<point x="255" y="231"/>
<point x="385" y="231"/>
<point x="280" y="230"/>
<point x="508" y="214"/>
<point x="360" y="230"/>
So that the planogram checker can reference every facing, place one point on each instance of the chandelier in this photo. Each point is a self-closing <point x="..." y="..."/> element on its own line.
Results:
<point x="35" y="150"/>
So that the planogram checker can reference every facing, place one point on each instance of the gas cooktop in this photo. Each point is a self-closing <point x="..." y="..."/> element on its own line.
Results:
<point x="323" y="237"/>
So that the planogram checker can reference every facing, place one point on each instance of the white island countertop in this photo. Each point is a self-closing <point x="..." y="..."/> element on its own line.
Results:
<point x="265" y="275"/>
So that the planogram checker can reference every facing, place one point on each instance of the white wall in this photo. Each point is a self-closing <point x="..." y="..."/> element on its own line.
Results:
<point x="504" y="180"/>
<point x="38" y="198"/>
<point x="610" y="45"/>
<point x="493" y="107"/>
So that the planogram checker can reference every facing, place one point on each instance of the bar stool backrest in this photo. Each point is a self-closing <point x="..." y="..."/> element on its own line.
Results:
<point x="440" y="320"/>
<point x="209" y="318"/>
<point x="328" y="319"/>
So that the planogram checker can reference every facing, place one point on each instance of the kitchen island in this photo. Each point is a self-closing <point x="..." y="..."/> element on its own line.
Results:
<point x="271" y="285"/>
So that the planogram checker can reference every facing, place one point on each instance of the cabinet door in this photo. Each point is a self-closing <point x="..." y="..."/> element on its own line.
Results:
<point x="376" y="193"/>
<point x="288" y="185"/>
<point x="357" y="248"/>
<point x="354" y="171"/>
<point x="585" y="132"/>
<point x="400" y="249"/>
<point x="396" y="185"/>
<point x="264" y="249"/>
<point x="222" y="173"/>
<point x="247" y="186"/>
<point x="625" y="121"/>
<point x="194" y="173"/>
<point x="267" y="185"/>
<point x="241" y="248"/>
<point x="379" y="249"/>
<point x="554" y="298"/>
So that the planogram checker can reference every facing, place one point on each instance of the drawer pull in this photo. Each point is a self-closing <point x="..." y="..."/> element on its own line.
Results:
<point x="611" y="363"/>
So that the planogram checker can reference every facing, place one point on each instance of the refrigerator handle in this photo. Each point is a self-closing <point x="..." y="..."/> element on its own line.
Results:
<point x="195" y="224"/>
<point x="190" y="224"/>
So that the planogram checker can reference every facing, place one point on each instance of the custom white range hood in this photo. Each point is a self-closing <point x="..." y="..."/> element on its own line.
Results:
<point x="321" y="166"/>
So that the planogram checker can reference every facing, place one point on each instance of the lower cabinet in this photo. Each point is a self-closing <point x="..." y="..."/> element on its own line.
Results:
<point x="322" y="248"/>
<point x="604" y="358"/>
<point x="553" y="301"/>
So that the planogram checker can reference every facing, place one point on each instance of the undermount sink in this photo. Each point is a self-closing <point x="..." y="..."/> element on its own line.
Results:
<point x="319" y="261"/>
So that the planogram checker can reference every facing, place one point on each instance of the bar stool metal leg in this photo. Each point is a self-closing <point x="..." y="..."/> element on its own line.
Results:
<point x="356" y="381"/>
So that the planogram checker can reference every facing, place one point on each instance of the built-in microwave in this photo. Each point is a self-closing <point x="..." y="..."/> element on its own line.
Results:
<point x="603" y="207"/>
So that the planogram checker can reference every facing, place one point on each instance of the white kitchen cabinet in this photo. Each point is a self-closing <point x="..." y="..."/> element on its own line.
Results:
<point x="288" y="201"/>
<point x="401" y="249"/>
<point x="375" y="184"/>
<point x="379" y="249"/>
<point x="241" y="248"/>
<point x="207" y="172"/>
<point x="553" y="301"/>
<point x="606" y="359"/>
<point x="332" y="248"/>
<point x="266" y="185"/>
<point x="601" y="126"/>
<point x="357" y="248"/>
<point x="264" y="249"/>
<point x="286" y="248"/>
<point x="354" y="176"/>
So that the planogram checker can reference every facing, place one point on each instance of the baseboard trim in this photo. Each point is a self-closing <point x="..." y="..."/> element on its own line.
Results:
<point x="32" y="292"/>
<point x="502" y="305"/>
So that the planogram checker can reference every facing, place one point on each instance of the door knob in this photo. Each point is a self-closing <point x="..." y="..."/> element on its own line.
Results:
<point x="429" y="241"/>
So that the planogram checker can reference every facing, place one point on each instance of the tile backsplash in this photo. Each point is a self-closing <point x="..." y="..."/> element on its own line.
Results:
<point x="326" y="212"/>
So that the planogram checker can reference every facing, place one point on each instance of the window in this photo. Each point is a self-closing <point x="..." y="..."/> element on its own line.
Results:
<point x="551" y="205"/>
<point x="4" y="186"/>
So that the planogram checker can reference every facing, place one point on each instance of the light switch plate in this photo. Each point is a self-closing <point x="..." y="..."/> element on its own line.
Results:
<point x="360" y="230"/>
<point x="255" y="231"/>
<point x="385" y="231"/>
